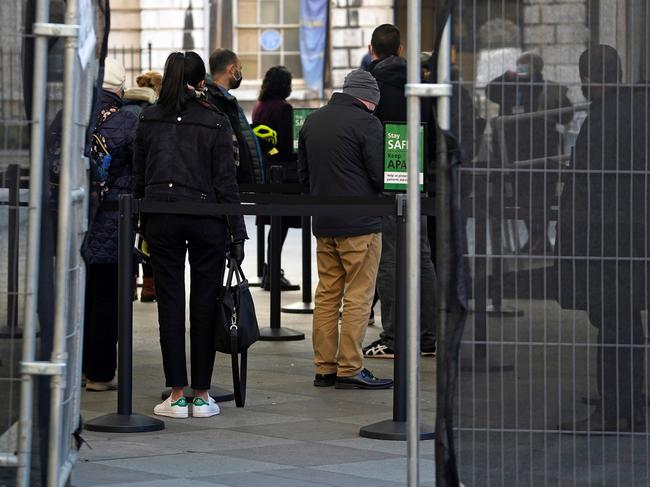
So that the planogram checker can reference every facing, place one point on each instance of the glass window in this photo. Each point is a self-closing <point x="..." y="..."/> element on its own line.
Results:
<point x="291" y="40"/>
<point x="249" y="66"/>
<point x="291" y="11"/>
<point x="248" y="40"/>
<point x="247" y="13"/>
<point x="257" y="16"/>
<point x="293" y="64"/>
<point x="270" y="60"/>
<point x="270" y="11"/>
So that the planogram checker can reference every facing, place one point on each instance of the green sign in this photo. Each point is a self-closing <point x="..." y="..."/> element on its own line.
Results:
<point x="299" y="117"/>
<point x="396" y="147"/>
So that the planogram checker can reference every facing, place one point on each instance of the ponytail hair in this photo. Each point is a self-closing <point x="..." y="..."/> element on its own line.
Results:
<point x="181" y="69"/>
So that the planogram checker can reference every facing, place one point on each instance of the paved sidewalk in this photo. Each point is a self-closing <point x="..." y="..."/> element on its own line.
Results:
<point x="290" y="434"/>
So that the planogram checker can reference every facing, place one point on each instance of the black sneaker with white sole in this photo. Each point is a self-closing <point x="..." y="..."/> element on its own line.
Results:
<point x="378" y="349"/>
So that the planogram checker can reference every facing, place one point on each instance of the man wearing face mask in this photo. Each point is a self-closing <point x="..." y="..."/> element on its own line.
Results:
<point x="525" y="90"/>
<point x="226" y="71"/>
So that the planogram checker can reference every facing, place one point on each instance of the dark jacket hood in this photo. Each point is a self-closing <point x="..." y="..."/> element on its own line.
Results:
<point x="391" y="71"/>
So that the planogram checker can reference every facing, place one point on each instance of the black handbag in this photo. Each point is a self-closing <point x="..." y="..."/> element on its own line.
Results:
<point x="237" y="329"/>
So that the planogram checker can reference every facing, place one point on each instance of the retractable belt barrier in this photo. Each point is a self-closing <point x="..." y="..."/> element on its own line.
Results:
<point x="268" y="203"/>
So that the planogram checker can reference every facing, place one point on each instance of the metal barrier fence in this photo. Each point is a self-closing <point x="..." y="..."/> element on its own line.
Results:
<point x="553" y="374"/>
<point x="47" y="83"/>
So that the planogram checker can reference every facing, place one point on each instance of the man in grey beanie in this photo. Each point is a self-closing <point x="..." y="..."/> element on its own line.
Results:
<point x="340" y="155"/>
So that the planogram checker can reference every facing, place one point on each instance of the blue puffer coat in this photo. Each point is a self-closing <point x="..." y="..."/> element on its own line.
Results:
<point x="100" y="246"/>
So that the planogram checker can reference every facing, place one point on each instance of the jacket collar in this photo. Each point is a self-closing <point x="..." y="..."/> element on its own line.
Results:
<point x="220" y="92"/>
<point x="345" y="99"/>
<point x="112" y="98"/>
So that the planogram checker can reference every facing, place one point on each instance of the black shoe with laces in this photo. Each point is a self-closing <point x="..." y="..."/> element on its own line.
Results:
<point x="324" y="380"/>
<point x="363" y="380"/>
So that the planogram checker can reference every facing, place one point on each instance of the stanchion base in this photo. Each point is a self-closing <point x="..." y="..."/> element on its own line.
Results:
<point x="124" y="423"/>
<point x="394" y="431"/>
<point x="219" y="394"/>
<point x="280" y="335"/>
<point x="6" y="332"/>
<point x="299" y="308"/>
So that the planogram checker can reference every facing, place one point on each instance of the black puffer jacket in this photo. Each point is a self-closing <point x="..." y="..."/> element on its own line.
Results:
<point x="100" y="245"/>
<point x="340" y="154"/>
<point x="187" y="157"/>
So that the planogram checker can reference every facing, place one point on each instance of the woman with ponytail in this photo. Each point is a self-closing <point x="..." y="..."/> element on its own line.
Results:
<point x="184" y="153"/>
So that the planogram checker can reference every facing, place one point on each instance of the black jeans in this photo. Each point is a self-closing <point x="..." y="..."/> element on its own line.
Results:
<point x="100" y="323"/>
<point x="386" y="285"/>
<point x="170" y="237"/>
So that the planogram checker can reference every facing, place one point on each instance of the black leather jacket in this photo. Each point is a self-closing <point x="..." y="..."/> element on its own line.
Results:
<point x="187" y="157"/>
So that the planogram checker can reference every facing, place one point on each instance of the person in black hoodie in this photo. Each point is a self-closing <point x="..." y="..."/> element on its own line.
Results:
<point x="340" y="154"/>
<point x="227" y="75"/>
<point x="184" y="153"/>
<point x="390" y="71"/>
<point x="603" y="238"/>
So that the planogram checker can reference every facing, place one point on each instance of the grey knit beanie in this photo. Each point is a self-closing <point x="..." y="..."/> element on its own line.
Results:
<point x="361" y="84"/>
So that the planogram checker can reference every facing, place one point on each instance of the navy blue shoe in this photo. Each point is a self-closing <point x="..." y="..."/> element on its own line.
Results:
<point x="363" y="380"/>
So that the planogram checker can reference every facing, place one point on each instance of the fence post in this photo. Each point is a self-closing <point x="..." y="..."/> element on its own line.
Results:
<point x="149" y="49"/>
<point x="305" y="306"/>
<point x="124" y="421"/>
<point x="12" y="180"/>
<point x="396" y="428"/>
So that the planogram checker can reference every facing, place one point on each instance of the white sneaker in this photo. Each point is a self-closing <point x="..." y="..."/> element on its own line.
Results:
<point x="94" y="386"/>
<point x="176" y="409"/>
<point x="204" y="409"/>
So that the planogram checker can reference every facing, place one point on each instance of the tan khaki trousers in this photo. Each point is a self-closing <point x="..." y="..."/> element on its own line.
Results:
<point x="347" y="271"/>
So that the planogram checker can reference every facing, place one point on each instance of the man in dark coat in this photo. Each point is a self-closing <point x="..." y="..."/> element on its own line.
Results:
<point x="603" y="238"/>
<point x="390" y="71"/>
<point x="340" y="154"/>
<point x="115" y="129"/>
<point x="227" y="75"/>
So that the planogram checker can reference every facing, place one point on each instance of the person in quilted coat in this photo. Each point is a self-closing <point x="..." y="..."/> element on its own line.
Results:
<point x="113" y="145"/>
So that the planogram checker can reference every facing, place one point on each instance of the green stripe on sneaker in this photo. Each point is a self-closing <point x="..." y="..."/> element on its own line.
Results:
<point x="181" y="403"/>
<point x="199" y="401"/>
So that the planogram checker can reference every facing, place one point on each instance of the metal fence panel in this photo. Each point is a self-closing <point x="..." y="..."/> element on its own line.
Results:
<point x="23" y="161"/>
<point x="553" y="376"/>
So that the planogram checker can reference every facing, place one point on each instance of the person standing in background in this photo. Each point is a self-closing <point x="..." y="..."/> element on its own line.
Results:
<point x="389" y="68"/>
<point x="183" y="152"/>
<point x="137" y="99"/>
<point x="111" y="164"/>
<point x="227" y="75"/>
<point x="340" y="154"/>
<point x="274" y="111"/>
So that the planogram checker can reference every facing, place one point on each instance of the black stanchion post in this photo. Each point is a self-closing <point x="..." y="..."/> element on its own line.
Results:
<point x="124" y="421"/>
<point x="261" y="258"/>
<point x="13" y="249"/>
<point x="305" y="306"/>
<point x="275" y="332"/>
<point x="395" y="429"/>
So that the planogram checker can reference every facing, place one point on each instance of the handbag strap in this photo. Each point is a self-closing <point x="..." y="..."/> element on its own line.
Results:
<point x="239" y="369"/>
